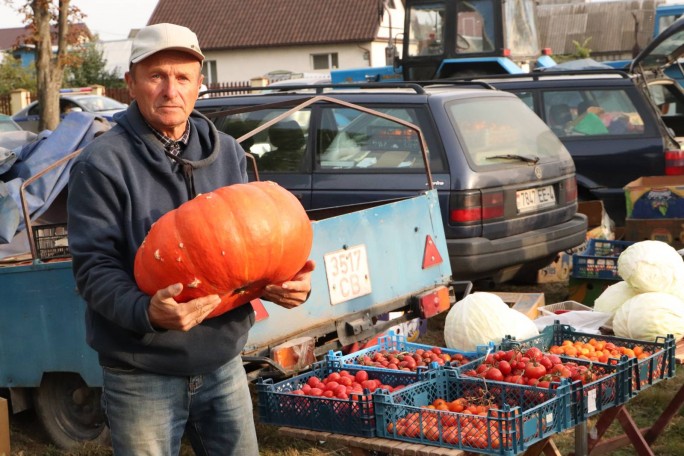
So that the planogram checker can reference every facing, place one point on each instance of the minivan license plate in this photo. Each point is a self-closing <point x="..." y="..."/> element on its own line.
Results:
<point x="347" y="273"/>
<point x="535" y="198"/>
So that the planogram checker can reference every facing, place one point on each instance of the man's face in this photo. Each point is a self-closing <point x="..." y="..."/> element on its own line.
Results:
<point x="166" y="86"/>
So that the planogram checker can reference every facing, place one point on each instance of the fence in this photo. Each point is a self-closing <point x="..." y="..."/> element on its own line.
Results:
<point x="5" y="105"/>
<point x="230" y="88"/>
<point x="121" y="93"/>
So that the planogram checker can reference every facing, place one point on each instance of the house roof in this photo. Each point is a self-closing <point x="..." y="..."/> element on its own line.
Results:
<point x="235" y="24"/>
<point x="10" y="38"/>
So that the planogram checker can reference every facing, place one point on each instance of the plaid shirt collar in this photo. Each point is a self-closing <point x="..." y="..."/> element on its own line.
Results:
<point x="171" y="145"/>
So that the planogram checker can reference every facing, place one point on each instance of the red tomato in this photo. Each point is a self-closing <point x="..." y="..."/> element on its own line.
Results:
<point x="504" y="367"/>
<point x="534" y="353"/>
<point x="494" y="374"/>
<point x="333" y="377"/>
<point x="534" y="370"/>
<point x="361" y="376"/>
<point x="546" y="362"/>
<point x="313" y="381"/>
<point x="331" y="385"/>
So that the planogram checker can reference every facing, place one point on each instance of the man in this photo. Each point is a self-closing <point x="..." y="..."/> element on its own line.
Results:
<point x="166" y="370"/>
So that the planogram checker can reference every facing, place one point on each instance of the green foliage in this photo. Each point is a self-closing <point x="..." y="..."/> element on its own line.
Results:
<point x="91" y="70"/>
<point x="582" y="51"/>
<point x="13" y="76"/>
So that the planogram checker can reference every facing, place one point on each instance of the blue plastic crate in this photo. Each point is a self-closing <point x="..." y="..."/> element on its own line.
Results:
<point x="278" y="405"/>
<point x="521" y="415"/>
<point x="645" y="372"/>
<point x="598" y="260"/>
<point x="612" y="387"/>
<point x="396" y="344"/>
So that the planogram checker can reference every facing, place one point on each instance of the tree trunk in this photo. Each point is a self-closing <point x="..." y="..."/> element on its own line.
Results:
<point x="49" y="69"/>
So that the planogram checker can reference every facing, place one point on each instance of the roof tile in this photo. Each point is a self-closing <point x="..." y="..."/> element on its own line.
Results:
<point x="234" y="24"/>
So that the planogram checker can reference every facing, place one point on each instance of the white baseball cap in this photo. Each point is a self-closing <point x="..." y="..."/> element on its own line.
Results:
<point x="160" y="37"/>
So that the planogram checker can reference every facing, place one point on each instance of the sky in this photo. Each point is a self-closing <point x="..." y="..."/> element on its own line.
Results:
<point x="111" y="19"/>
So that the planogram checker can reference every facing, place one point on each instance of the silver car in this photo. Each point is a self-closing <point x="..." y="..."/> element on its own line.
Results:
<point x="103" y="106"/>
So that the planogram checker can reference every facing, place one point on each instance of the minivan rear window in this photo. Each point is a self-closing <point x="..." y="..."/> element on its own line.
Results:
<point x="579" y="113"/>
<point x="498" y="131"/>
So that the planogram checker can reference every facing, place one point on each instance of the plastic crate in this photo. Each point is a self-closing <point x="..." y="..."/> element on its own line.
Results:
<point x="51" y="241"/>
<point x="562" y="307"/>
<point x="610" y="388"/>
<point x="659" y="365"/>
<point x="629" y="375"/>
<point x="521" y="416"/>
<point x="599" y="259"/>
<point x="278" y="405"/>
<point x="396" y="344"/>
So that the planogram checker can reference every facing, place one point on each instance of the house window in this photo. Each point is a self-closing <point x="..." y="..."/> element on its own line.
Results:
<point x="209" y="72"/>
<point x="324" y="61"/>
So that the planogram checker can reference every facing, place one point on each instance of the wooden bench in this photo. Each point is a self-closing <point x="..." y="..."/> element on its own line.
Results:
<point x="364" y="446"/>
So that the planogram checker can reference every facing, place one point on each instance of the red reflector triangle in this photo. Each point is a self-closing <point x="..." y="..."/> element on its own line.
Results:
<point x="260" y="312"/>
<point x="431" y="255"/>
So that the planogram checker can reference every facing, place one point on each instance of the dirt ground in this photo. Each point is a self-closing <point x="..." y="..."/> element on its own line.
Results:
<point x="28" y="438"/>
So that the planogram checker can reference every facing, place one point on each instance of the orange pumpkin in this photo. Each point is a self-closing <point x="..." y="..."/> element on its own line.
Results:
<point x="232" y="242"/>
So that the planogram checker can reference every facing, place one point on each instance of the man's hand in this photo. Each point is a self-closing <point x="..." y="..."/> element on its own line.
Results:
<point x="294" y="292"/>
<point x="165" y="312"/>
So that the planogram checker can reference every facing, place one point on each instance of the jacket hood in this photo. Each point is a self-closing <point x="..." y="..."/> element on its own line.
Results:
<point x="203" y="133"/>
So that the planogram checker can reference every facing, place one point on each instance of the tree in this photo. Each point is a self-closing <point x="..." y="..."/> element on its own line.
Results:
<point x="14" y="76"/>
<point x="92" y="70"/>
<point x="48" y="20"/>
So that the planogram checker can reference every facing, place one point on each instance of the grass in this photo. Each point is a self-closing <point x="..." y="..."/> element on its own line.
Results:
<point x="645" y="408"/>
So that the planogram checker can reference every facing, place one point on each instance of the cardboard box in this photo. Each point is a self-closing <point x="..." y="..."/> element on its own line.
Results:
<point x="4" y="428"/>
<point x="670" y="231"/>
<point x="659" y="197"/>
<point x="411" y="330"/>
<point x="593" y="210"/>
<point x="557" y="271"/>
<point x="527" y="303"/>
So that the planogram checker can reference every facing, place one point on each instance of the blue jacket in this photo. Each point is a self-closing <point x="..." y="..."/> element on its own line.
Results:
<point x="118" y="187"/>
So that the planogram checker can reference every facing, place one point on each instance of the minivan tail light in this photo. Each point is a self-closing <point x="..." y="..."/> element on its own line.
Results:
<point x="476" y="206"/>
<point x="570" y="185"/>
<point x="674" y="162"/>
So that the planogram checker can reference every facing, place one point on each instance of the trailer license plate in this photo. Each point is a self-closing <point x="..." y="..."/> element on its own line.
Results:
<point x="535" y="198"/>
<point x="347" y="273"/>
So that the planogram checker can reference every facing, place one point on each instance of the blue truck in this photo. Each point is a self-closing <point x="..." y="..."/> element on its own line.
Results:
<point x="371" y="264"/>
<point x="456" y="38"/>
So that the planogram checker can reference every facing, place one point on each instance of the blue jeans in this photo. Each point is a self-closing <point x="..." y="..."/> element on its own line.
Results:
<point x="149" y="413"/>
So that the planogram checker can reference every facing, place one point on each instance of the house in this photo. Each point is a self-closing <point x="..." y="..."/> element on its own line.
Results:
<point x="13" y="40"/>
<point x="18" y="41"/>
<point x="245" y="39"/>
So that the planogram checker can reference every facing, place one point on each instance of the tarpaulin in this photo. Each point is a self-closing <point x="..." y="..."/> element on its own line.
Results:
<point x="75" y="131"/>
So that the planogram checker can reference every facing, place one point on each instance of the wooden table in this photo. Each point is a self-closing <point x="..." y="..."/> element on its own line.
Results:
<point x="640" y="438"/>
<point x="363" y="446"/>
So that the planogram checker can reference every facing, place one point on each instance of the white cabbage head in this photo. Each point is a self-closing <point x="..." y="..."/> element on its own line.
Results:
<point x="613" y="297"/>
<point x="651" y="266"/>
<point x="483" y="317"/>
<point x="649" y="315"/>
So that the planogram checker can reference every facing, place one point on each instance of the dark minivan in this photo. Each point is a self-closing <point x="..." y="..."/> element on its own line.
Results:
<point x="506" y="183"/>
<point x="608" y="124"/>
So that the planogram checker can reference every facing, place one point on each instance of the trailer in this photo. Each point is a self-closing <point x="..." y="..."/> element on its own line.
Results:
<point x="378" y="265"/>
